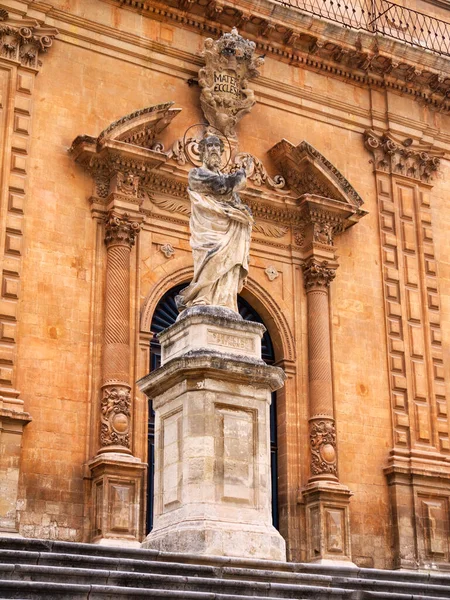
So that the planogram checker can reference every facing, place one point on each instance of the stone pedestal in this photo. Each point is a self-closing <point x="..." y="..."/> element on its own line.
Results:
<point x="327" y="521"/>
<point x="12" y="423"/>
<point x="211" y="398"/>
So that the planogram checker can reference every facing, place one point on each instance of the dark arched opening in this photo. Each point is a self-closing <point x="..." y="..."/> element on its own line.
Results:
<point x="165" y="315"/>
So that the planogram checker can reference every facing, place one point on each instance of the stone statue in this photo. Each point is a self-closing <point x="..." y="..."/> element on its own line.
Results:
<point x="221" y="226"/>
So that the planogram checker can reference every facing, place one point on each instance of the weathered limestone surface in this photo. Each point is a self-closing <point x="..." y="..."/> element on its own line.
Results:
<point x="212" y="479"/>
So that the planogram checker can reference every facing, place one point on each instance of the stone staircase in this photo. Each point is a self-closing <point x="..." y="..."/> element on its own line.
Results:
<point x="61" y="570"/>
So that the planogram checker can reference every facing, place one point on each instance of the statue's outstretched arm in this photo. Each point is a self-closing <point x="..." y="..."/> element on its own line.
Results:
<point x="203" y="181"/>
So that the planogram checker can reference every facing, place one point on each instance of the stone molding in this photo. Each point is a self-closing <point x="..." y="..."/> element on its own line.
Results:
<point x="316" y="44"/>
<point x="401" y="158"/>
<point x="12" y="423"/>
<point x="23" y="40"/>
<point x="119" y="159"/>
<point x="418" y="471"/>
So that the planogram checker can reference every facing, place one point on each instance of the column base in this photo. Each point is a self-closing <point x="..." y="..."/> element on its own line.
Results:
<point x="117" y="500"/>
<point x="328" y="523"/>
<point x="219" y="538"/>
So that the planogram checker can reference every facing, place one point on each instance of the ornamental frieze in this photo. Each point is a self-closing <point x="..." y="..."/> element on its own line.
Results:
<point x="358" y="57"/>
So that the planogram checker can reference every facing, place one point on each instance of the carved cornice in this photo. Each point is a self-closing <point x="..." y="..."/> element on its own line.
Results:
<point x="24" y="40"/>
<point x="310" y="42"/>
<point x="318" y="275"/>
<point x="401" y="158"/>
<point x="120" y="230"/>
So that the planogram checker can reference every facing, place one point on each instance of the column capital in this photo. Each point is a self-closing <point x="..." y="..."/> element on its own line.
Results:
<point x="120" y="230"/>
<point x="23" y="40"/>
<point x="318" y="274"/>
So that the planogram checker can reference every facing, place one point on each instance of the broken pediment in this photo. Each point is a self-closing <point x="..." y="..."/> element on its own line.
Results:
<point x="126" y="151"/>
<point x="307" y="171"/>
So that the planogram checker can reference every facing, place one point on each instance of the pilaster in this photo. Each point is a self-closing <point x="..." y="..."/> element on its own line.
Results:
<point x="417" y="470"/>
<point x="23" y="42"/>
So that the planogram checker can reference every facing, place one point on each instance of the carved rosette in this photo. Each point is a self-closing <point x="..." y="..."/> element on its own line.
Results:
<point x="401" y="158"/>
<point x="23" y="41"/>
<point x="115" y="416"/>
<point x="318" y="275"/>
<point x="120" y="230"/>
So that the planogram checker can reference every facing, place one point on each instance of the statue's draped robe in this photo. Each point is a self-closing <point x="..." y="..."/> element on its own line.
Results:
<point x="220" y="239"/>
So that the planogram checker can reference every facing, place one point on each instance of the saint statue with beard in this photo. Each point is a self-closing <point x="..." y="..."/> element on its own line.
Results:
<point x="221" y="226"/>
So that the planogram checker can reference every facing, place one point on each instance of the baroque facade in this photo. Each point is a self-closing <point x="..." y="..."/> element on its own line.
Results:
<point x="349" y="130"/>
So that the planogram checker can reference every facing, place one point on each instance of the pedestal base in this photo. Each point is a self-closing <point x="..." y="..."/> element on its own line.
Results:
<point x="117" y="498"/>
<point x="212" y="440"/>
<point x="12" y="423"/>
<point x="219" y="538"/>
<point x="328" y="523"/>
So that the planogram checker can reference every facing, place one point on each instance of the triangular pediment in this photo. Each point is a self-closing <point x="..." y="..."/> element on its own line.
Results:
<point x="307" y="171"/>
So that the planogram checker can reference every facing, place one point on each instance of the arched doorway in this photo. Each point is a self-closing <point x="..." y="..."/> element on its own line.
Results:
<point x="165" y="315"/>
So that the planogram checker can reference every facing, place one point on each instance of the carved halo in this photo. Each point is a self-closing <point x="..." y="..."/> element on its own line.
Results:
<point x="190" y="145"/>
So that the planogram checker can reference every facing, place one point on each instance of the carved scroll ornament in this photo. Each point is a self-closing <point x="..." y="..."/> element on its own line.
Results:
<point x="318" y="275"/>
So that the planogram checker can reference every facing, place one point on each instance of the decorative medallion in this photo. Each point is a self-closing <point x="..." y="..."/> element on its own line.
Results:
<point x="226" y="96"/>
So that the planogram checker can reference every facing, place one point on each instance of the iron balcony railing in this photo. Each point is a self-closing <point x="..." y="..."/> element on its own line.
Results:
<point x="383" y="17"/>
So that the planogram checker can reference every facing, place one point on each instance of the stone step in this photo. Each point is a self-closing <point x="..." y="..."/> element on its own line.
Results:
<point x="86" y="570"/>
<point x="31" y="590"/>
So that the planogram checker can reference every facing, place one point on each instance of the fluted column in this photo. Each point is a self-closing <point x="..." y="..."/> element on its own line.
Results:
<point x="116" y="403"/>
<point x="322" y="432"/>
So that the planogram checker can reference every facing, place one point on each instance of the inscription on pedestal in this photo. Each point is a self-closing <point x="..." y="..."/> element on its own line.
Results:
<point x="240" y="342"/>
